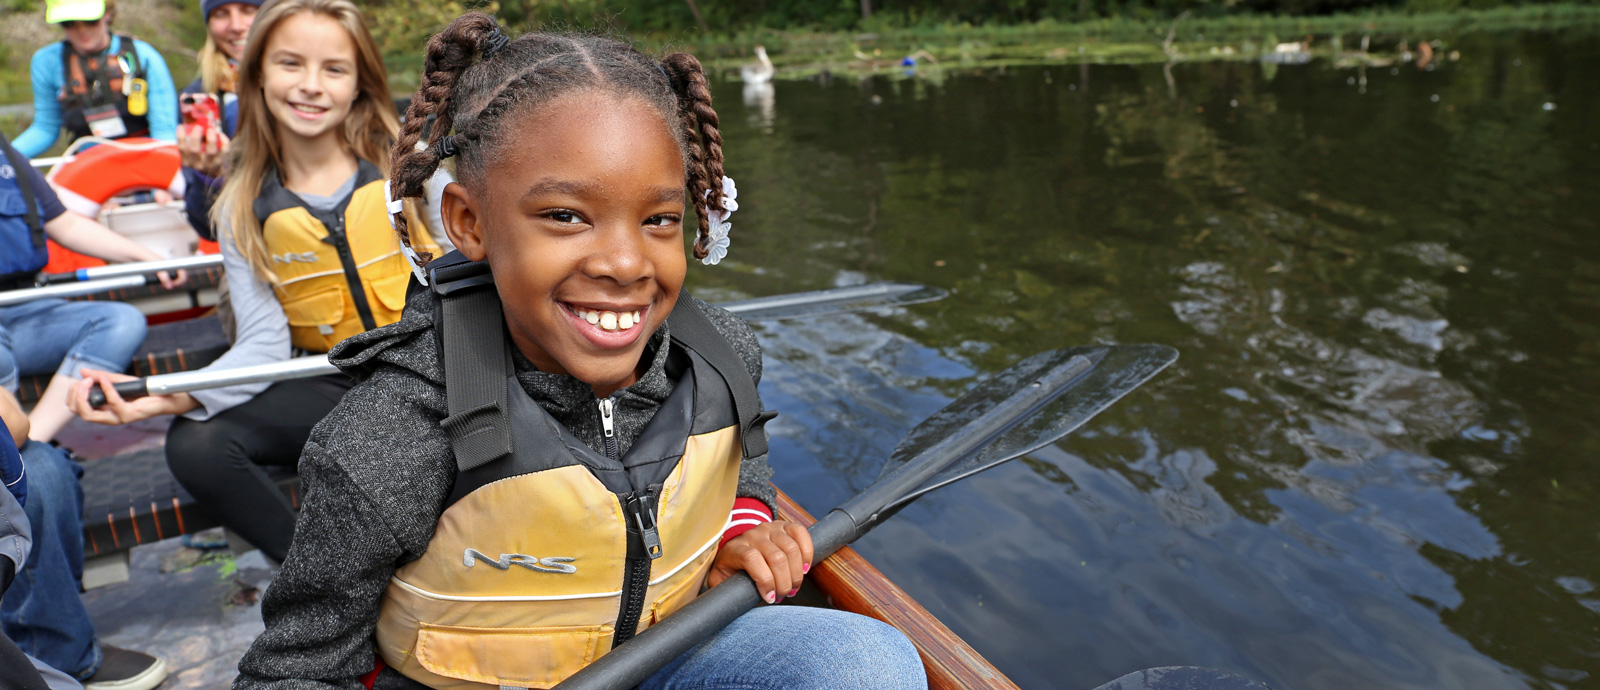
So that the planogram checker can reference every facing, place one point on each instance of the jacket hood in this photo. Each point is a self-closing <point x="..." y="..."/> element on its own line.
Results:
<point x="407" y="343"/>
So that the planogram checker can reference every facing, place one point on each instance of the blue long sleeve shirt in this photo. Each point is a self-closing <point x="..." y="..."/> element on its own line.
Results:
<point x="47" y="82"/>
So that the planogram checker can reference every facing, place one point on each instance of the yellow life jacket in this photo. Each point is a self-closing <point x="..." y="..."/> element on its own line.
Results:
<point x="548" y="554"/>
<point x="340" y="272"/>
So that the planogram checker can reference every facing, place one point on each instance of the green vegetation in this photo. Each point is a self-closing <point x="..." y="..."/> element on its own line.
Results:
<point x="859" y="36"/>
<point x="1122" y="39"/>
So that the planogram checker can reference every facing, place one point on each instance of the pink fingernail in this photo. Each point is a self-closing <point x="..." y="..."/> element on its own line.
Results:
<point x="793" y="592"/>
<point x="772" y="597"/>
<point x="805" y="568"/>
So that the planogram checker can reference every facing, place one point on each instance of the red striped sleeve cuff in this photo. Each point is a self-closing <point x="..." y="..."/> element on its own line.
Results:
<point x="747" y="513"/>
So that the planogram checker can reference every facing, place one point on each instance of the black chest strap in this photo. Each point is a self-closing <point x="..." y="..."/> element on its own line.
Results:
<point x="97" y="78"/>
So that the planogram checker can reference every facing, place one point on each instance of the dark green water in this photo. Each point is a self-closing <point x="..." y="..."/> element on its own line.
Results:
<point x="1373" y="465"/>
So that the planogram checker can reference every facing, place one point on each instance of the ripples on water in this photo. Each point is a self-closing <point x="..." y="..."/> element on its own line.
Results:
<point x="1372" y="465"/>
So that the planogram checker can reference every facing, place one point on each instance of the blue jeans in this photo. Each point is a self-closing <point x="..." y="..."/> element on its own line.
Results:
<point x="56" y="335"/>
<point x="42" y="612"/>
<point x="797" y="648"/>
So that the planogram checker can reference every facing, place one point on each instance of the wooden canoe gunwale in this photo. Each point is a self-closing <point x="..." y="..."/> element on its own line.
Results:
<point x="852" y="584"/>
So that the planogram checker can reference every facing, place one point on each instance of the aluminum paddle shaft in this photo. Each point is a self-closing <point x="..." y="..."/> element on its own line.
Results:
<point x="142" y="268"/>
<point x="166" y="384"/>
<point x="26" y="295"/>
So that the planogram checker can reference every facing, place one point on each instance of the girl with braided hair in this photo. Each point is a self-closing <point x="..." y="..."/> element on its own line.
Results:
<point x="556" y="446"/>
<point x="310" y="258"/>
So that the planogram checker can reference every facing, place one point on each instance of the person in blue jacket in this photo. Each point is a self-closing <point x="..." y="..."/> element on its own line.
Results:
<point x="96" y="83"/>
<point x="41" y="566"/>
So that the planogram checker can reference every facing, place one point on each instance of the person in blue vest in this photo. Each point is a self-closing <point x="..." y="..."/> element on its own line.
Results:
<point x="203" y="148"/>
<point x="96" y="83"/>
<point x="53" y="335"/>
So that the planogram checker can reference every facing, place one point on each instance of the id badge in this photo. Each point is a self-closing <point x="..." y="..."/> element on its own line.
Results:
<point x="104" y="122"/>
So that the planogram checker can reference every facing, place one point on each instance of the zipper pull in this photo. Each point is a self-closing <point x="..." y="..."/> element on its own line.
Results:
<point x="639" y="505"/>
<point x="605" y="417"/>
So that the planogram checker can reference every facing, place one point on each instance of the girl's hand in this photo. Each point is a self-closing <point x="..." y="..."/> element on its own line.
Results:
<point x="776" y="555"/>
<point x="119" y="411"/>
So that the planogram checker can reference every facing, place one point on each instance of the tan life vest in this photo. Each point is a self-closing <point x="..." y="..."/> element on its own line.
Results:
<point x="542" y="558"/>
<point x="340" y="272"/>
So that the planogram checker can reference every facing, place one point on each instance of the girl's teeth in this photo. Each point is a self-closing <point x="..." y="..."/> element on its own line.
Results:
<point x="609" y="320"/>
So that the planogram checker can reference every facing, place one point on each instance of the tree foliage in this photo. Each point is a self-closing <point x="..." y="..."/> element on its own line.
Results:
<point x="726" y="16"/>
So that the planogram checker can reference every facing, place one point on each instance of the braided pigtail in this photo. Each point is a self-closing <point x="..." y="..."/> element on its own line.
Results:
<point x="416" y="154"/>
<point x="702" y="137"/>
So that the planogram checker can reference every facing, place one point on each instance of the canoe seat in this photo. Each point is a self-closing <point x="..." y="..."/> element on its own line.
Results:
<point x="132" y="499"/>
<point x="168" y="348"/>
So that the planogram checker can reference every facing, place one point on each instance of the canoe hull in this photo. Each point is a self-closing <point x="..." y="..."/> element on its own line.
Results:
<point x="852" y="584"/>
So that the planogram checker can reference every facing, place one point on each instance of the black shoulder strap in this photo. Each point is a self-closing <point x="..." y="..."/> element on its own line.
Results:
<point x="24" y="172"/>
<point x="66" y="66"/>
<point x="131" y="50"/>
<point x="690" y="326"/>
<point x="477" y="360"/>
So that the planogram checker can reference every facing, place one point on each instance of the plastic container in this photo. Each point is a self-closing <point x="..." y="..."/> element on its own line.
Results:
<point x="163" y="229"/>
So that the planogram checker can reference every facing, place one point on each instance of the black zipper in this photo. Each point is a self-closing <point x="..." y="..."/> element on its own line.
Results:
<point x="644" y="542"/>
<point x="352" y="275"/>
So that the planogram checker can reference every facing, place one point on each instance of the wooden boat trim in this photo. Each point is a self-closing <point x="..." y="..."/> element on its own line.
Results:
<point x="852" y="584"/>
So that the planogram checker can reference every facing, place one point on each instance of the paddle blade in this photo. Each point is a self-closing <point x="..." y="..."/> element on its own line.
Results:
<point x="1113" y="371"/>
<point x="834" y="301"/>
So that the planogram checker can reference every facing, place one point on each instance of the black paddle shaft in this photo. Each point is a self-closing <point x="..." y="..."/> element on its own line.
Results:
<point x="632" y="662"/>
<point x="127" y="389"/>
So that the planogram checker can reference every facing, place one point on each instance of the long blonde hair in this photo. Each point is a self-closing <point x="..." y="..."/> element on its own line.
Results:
<point x="216" y="73"/>
<point x="368" y="130"/>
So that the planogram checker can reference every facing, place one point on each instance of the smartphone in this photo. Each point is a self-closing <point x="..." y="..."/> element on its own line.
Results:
<point x="200" y="110"/>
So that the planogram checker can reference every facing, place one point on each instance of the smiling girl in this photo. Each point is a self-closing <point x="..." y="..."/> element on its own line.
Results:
<point x="309" y="255"/>
<point x="556" y="446"/>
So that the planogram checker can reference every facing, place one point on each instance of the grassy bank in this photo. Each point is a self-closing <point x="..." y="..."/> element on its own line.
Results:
<point x="801" y="54"/>
<point x="402" y="27"/>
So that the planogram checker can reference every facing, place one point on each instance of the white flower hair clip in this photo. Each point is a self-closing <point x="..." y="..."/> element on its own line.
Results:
<point x="717" y="246"/>
<point x="395" y="207"/>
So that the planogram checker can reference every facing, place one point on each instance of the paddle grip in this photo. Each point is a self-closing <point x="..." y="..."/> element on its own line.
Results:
<point x="58" y="278"/>
<point x="633" y="661"/>
<point x="129" y="390"/>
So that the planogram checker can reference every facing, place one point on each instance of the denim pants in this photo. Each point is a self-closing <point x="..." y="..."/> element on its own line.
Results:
<point x="41" y="611"/>
<point x="797" y="648"/>
<point x="56" y="335"/>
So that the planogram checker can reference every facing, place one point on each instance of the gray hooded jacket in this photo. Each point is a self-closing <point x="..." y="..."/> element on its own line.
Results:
<point x="376" y="473"/>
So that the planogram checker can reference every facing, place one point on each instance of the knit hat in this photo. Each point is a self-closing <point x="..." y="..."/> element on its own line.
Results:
<point x="206" y="6"/>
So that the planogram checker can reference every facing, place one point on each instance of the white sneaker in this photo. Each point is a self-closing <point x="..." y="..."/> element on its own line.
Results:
<point x="125" y="669"/>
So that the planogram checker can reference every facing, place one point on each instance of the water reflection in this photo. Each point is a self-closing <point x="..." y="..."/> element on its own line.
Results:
<point x="1370" y="468"/>
<point x="760" y="99"/>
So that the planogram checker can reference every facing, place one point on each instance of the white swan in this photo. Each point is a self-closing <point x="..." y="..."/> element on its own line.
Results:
<point x="759" y="72"/>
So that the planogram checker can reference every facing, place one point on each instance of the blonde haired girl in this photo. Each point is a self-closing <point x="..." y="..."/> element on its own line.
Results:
<point x="310" y="258"/>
